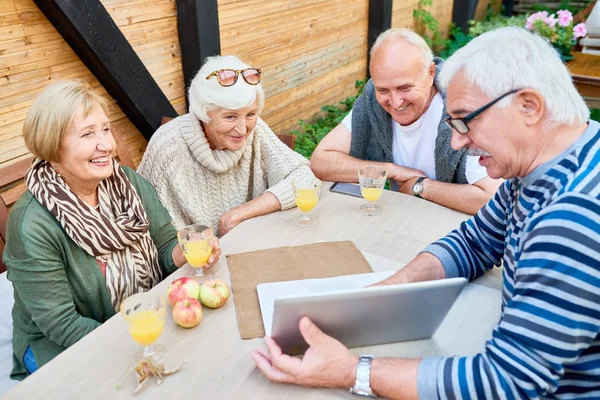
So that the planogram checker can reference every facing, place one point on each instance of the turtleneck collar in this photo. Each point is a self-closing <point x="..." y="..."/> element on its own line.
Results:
<point x="218" y="161"/>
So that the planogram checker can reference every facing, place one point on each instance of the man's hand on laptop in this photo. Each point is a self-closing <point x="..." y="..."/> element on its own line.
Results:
<point x="395" y="279"/>
<point x="326" y="363"/>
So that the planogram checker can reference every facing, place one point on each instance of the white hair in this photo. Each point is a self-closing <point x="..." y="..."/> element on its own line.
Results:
<point x="207" y="94"/>
<point x="392" y="36"/>
<point x="513" y="58"/>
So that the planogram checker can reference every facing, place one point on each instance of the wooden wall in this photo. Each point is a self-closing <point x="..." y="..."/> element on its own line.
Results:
<point x="402" y="13"/>
<point x="33" y="54"/>
<point x="311" y="51"/>
<point x="481" y="11"/>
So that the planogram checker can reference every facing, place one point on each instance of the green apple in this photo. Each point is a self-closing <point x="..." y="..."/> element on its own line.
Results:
<point x="214" y="293"/>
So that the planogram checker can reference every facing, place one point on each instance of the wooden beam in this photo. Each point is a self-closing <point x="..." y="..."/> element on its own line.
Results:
<point x="380" y="20"/>
<point x="90" y="31"/>
<point x="507" y="7"/>
<point x="199" y="37"/>
<point x="462" y="12"/>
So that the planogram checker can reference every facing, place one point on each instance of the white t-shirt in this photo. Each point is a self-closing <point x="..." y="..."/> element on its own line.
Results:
<point x="413" y="146"/>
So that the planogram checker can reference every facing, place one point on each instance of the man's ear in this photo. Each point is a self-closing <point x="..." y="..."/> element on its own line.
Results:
<point x="532" y="105"/>
<point x="432" y="71"/>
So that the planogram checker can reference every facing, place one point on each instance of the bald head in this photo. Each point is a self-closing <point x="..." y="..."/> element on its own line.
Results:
<point x="394" y="57"/>
<point x="389" y="38"/>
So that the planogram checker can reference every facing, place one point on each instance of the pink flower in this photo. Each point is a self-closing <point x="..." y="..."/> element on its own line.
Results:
<point x="579" y="31"/>
<point x="564" y="18"/>
<point x="550" y="21"/>
<point x="534" y="17"/>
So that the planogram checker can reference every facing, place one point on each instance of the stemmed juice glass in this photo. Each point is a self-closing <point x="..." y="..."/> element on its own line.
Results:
<point x="372" y="181"/>
<point x="196" y="243"/>
<point x="145" y="317"/>
<point x="306" y="191"/>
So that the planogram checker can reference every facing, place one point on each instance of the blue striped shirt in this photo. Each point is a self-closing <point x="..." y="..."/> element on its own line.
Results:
<point x="545" y="229"/>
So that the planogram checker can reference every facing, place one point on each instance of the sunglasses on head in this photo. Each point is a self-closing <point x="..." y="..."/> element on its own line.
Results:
<point x="228" y="77"/>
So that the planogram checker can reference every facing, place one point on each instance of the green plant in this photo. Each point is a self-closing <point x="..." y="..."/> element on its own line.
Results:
<point x="573" y="7"/>
<point x="595" y="114"/>
<point x="458" y="38"/>
<point x="310" y="134"/>
<point x="429" y="27"/>
<point x="477" y="28"/>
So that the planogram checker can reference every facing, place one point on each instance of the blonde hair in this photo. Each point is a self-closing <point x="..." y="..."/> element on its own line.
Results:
<point x="207" y="94"/>
<point x="51" y="115"/>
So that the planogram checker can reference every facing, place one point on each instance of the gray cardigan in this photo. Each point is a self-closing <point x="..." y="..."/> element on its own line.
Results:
<point x="372" y="135"/>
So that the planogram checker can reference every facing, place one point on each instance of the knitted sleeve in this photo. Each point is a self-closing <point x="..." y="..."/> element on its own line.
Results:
<point x="282" y="165"/>
<point x="157" y="167"/>
<point x="162" y="231"/>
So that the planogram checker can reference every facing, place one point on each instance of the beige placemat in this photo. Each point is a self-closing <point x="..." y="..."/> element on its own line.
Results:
<point x="317" y="260"/>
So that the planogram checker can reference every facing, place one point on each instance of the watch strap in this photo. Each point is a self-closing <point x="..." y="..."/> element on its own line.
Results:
<point x="362" y="386"/>
<point x="418" y="182"/>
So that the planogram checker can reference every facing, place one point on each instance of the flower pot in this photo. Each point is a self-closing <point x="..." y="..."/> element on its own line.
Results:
<point x="567" y="57"/>
<point x="565" y="51"/>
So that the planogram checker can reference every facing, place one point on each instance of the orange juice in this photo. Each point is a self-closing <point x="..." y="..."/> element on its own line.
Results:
<point x="197" y="253"/>
<point x="371" y="194"/>
<point x="306" y="199"/>
<point x="146" y="326"/>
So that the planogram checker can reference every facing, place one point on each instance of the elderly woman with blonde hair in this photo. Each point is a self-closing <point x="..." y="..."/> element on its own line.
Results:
<point x="221" y="164"/>
<point x="87" y="234"/>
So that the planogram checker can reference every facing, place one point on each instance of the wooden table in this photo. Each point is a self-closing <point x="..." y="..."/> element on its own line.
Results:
<point x="585" y="70"/>
<point x="218" y="362"/>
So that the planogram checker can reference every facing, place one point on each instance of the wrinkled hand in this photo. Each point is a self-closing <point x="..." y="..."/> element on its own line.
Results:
<point x="403" y="174"/>
<point x="326" y="363"/>
<point x="228" y="221"/>
<point x="216" y="253"/>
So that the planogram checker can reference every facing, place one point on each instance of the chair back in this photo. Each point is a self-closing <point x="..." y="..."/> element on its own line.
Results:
<point x="11" y="187"/>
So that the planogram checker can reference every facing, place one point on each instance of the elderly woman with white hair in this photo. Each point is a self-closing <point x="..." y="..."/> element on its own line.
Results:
<point x="221" y="164"/>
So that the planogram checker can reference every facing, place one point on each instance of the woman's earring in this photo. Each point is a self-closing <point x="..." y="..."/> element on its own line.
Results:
<point x="64" y="178"/>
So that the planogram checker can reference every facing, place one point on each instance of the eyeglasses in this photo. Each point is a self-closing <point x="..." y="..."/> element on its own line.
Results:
<point x="228" y="77"/>
<point x="461" y="124"/>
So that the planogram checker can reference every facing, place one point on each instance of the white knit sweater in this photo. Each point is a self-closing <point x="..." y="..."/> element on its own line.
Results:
<point x="198" y="185"/>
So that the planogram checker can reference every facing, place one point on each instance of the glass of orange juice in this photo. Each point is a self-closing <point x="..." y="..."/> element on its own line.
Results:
<point x="196" y="242"/>
<point x="372" y="181"/>
<point x="145" y="317"/>
<point x="307" y="191"/>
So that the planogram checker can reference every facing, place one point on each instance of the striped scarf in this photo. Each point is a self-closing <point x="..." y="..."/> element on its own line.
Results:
<point x="117" y="232"/>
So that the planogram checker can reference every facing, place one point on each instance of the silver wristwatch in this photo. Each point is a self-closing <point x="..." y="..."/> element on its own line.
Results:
<point x="417" y="188"/>
<point x="362" y="386"/>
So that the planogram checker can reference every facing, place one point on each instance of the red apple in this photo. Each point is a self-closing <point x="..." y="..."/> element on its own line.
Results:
<point x="187" y="313"/>
<point x="214" y="293"/>
<point x="182" y="288"/>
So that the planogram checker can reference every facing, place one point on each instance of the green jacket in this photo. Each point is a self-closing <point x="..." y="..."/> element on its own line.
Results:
<point x="60" y="292"/>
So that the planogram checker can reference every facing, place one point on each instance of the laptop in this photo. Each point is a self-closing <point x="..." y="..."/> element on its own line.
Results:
<point x="356" y="316"/>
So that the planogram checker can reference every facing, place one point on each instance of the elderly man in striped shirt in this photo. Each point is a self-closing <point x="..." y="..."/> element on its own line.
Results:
<point x="512" y="102"/>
